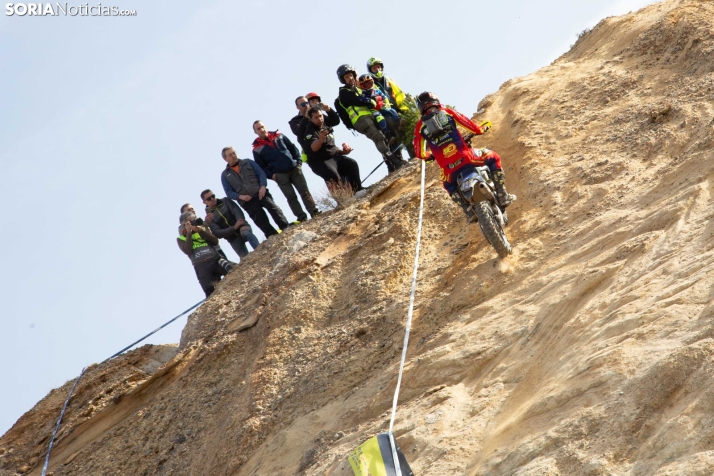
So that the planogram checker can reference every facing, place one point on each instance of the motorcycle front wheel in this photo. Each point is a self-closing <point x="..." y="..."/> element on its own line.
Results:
<point x="491" y="229"/>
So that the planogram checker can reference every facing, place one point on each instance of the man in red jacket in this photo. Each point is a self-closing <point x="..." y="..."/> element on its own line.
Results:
<point x="437" y="130"/>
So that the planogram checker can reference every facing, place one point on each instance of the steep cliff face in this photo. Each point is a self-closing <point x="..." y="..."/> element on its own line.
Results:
<point x="588" y="352"/>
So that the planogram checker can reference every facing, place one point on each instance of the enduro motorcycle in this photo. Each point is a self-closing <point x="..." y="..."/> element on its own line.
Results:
<point x="476" y="188"/>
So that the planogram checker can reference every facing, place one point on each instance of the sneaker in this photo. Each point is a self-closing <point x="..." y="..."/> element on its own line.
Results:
<point x="313" y="214"/>
<point x="360" y="193"/>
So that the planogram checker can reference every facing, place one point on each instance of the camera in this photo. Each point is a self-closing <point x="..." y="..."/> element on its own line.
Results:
<point x="197" y="222"/>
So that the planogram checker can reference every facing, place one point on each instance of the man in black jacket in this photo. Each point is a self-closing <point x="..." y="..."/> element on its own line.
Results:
<point x="226" y="220"/>
<point x="281" y="161"/>
<point x="245" y="182"/>
<point x="325" y="158"/>
<point x="299" y="121"/>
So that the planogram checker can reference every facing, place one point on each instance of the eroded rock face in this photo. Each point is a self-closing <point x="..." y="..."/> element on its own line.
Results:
<point x="588" y="352"/>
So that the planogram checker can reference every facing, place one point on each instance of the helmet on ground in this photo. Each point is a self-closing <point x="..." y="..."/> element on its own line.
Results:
<point x="343" y="70"/>
<point x="366" y="81"/>
<point x="371" y="62"/>
<point x="312" y="95"/>
<point x="426" y="100"/>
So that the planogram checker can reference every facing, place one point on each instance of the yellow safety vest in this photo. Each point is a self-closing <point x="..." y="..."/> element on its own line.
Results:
<point x="355" y="112"/>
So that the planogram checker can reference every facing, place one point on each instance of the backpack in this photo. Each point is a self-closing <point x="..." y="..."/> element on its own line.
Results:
<point x="344" y="117"/>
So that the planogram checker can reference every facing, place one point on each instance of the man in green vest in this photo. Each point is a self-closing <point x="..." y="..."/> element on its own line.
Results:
<point x="359" y="109"/>
<point x="197" y="242"/>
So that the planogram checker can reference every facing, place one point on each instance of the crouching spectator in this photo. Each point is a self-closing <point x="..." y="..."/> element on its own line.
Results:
<point x="245" y="182"/>
<point x="328" y="161"/>
<point x="226" y="220"/>
<point x="198" y="243"/>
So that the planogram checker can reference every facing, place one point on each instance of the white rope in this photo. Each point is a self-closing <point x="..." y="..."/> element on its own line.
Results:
<point x="409" y="324"/>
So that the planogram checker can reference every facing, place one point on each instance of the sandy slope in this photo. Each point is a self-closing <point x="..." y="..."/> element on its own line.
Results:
<point x="588" y="352"/>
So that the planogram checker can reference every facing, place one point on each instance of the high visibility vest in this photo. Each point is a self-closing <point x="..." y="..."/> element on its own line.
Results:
<point x="355" y="112"/>
<point x="201" y="250"/>
<point x="392" y="90"/>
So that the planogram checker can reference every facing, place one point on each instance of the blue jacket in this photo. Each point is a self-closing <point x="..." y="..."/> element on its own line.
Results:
<point x="247" y="182"/>
<point x="276" y="154"/>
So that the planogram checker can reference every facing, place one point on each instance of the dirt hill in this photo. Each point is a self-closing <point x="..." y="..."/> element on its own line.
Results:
<point x="589" y="352"/>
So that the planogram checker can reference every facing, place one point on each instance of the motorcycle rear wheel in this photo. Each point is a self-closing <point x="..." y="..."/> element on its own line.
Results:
<point x="491" y="229"/>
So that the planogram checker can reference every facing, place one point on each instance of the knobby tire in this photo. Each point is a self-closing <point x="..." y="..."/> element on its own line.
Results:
<point x="491" y="229"/>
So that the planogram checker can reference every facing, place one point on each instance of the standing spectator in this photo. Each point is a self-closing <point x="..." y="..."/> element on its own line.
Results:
<point x="198" y="244"/>
<point x="245" y="182"/>
<point x="387" y="85"/>
<point x="281" y="161"/>
<point x="326" y="159"/>
<point x="299" y="122"/>
<point x="187" y="207"/>
<point x="226" y="220"/>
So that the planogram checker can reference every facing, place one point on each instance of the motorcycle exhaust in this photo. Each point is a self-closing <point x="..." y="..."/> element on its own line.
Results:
<point x="486" y="191"/>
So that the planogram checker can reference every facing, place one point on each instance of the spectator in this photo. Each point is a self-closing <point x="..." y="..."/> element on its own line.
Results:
<point x="387" y="85"/>
<point x="226" y="220"/>
<point x="359" y="109"/>
<point x="245" y="182"/>
<point x="187" y="207"/>
<point x="299" y="122"/>
<point x="281" y="161"/>
<point x="198" y="244"/>
<point x="326" y="159"/>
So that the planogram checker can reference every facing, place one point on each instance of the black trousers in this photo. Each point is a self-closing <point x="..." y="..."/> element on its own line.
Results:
<point x="341" y="168"/>
<point x="256" y="210"/>
<point x="209" y="272"/>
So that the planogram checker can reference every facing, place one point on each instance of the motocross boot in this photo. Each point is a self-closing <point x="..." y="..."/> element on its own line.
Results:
<point x="470" y="215"/>
<point x="499" y="181"/>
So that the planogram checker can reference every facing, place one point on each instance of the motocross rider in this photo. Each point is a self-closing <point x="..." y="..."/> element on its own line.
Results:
<point x="437" y="129"/>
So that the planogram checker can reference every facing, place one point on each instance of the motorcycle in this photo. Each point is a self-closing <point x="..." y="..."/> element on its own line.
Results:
<point x="477" y="189"/>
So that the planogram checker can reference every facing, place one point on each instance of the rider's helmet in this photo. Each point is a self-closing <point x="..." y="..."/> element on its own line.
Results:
<point x="366" y="81"/>
<point x="313" y="95"/>
<point x="426" y="100"/>
<point x="371" y="62"/>
<point x="343" y="70"/>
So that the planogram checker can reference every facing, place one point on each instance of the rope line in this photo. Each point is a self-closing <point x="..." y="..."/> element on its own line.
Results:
<point x="66" y="402"/>
<point x="59" y="420"/>
<point x="409" y="324"/>
<point x="373" y="171"/>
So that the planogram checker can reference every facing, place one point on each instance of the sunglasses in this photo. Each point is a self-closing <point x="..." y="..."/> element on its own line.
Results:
<point x="303" y="104"/>
<point x="209" y="198"/>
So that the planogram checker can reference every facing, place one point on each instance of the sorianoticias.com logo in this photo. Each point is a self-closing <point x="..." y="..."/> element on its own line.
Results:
<point x="64" y="9"/>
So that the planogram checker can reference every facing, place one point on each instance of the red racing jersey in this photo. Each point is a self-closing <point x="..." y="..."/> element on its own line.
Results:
<point x="448" y="147"/>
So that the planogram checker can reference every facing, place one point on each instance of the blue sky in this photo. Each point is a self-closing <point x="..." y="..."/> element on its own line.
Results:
<point x="109" y="124"/>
